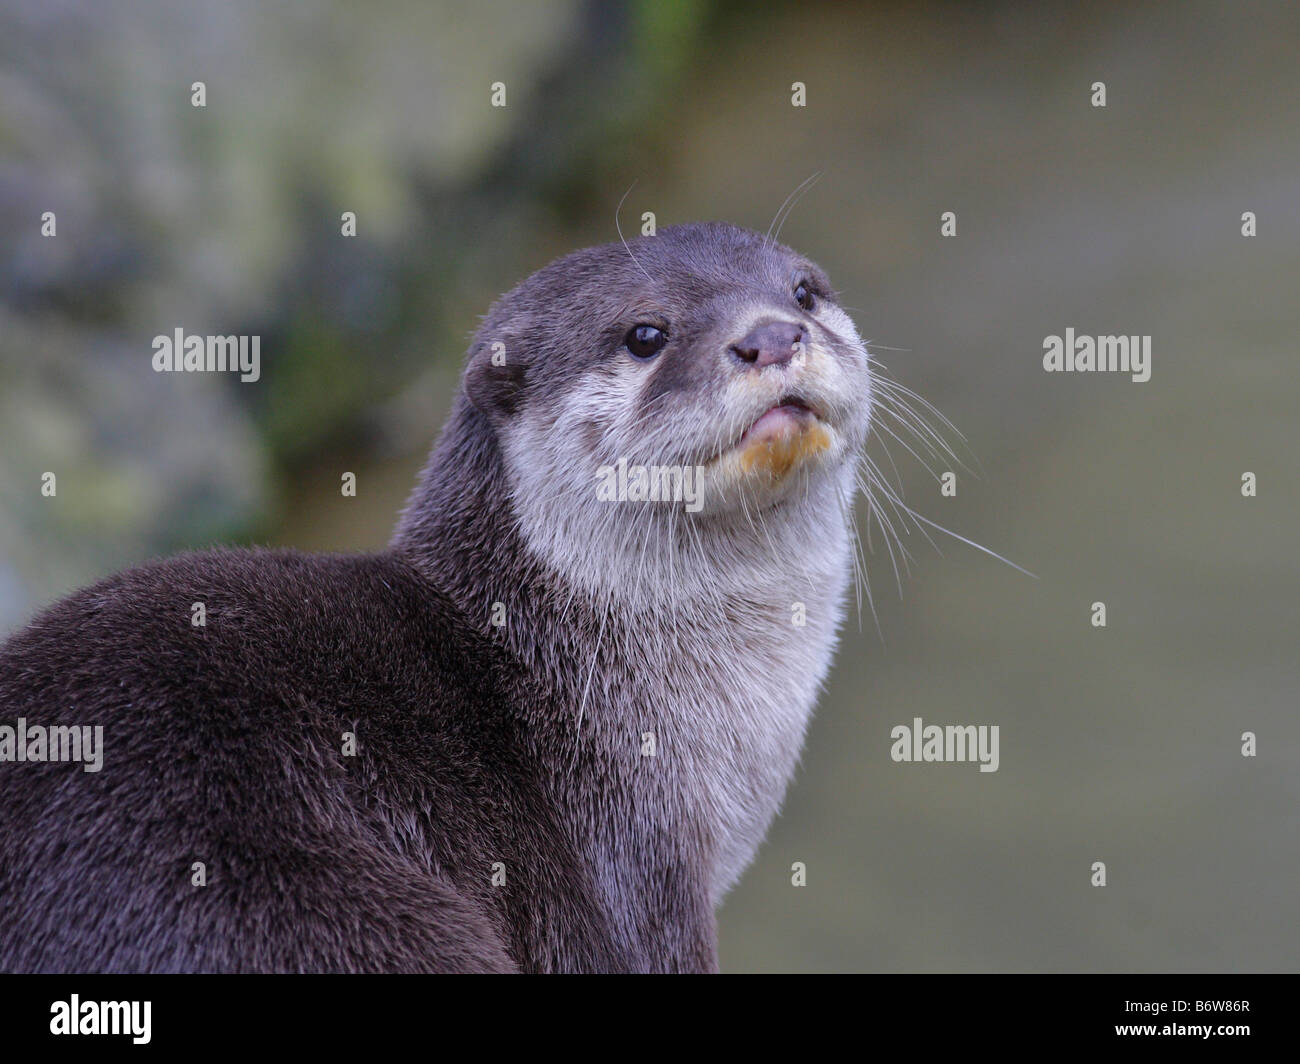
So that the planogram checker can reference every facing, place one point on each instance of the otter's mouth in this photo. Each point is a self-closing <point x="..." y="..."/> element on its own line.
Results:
<point x="785" y="435"/>
<point x="789" y="415"/>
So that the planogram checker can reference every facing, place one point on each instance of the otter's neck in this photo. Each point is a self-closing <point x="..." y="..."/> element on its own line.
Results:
<point x="686" y="710"/>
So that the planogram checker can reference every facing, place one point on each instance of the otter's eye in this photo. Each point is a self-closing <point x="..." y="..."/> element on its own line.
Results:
<point x="804" y="297"/>
<point x="645" y="341"/>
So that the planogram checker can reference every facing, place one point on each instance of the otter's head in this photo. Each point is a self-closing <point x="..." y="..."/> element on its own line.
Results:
<point x="693" y="387"/>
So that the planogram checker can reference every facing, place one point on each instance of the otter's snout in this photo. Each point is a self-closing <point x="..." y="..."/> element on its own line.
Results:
<point x="769" y="343"/>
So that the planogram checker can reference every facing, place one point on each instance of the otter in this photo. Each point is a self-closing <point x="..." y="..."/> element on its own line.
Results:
<point x="543" y="731"/>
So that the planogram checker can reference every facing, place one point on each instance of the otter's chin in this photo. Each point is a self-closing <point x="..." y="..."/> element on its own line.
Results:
<point x="784" y="438"/>
<point x="780" y="441"/>
<point x="765" y="462"/>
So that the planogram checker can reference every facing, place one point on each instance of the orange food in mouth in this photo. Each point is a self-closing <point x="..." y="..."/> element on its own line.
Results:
<point x="782" y="438"/>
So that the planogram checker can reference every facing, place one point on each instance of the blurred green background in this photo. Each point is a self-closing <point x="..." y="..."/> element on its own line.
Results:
<point x="1119" y="744"/>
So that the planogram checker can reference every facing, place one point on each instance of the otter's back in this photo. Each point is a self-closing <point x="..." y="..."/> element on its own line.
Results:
<point x="252" y="807"/>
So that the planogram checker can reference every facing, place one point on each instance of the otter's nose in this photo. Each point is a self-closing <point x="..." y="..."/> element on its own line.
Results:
<point x="770" y="342"/>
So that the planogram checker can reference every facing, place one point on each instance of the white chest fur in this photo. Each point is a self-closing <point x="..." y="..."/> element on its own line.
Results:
<point x="727" y="691"/>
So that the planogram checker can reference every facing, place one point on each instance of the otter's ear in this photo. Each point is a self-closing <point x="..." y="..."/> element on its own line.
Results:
<point x="493" y="381"/>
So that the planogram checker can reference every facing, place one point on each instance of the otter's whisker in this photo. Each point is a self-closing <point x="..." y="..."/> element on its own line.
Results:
<point x="619" y="229"/>
<point x="790" y="202"/>
<point x="887" y="399"/>
<point x="949" y="532"/>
